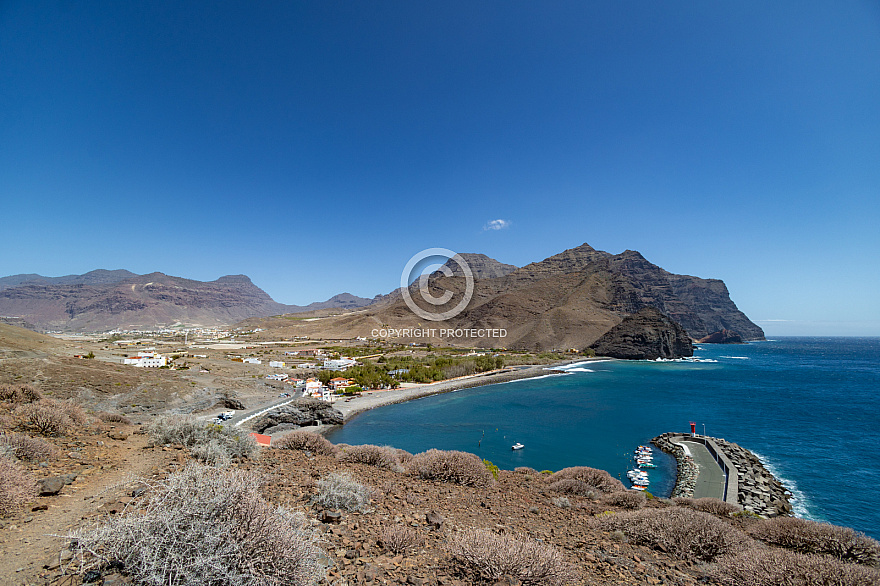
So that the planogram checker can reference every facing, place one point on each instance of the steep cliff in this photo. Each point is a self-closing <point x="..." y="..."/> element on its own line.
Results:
<point x="645" y="335"/>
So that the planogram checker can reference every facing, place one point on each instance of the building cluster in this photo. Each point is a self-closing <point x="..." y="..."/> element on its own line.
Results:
<point x="147" y="360"/>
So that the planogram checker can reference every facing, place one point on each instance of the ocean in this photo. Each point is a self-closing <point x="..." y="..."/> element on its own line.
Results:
<point x="808" y="407"/>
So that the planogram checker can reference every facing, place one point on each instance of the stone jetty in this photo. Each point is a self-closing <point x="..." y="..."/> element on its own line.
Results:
<point x="755" y="488"/>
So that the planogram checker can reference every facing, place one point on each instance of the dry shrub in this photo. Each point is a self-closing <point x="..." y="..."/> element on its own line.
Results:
<point x="709" y="505"/>
<point x="403" y="456"/>
<point x="764" y="566"/>
<point x="806" y="536"/>
<point x="114" y="418"/>
<point x="17" y="488"/>
<point x="525" y="470"/>
<point x="683" y="533"/>
<point x="73" y="411"/>
<point x="630" y="499"/>
<point x="45" y="417"/>
<point x="338" y="490"/>
<point x="399" y="539"/>
<point x="493" y="556"/>
<point x="204" y="527"/>
<point x="306" y="442"/>
<point x="19" y="394"/>
<point x="561" y="501"/>
<point x="575" y="487"/>
<point x="451" y="466"/>
<point x="600" y="479"/>
<point x="379" y="456"/>
<point x="217" y="445"/>
<point x="28" y="448"/>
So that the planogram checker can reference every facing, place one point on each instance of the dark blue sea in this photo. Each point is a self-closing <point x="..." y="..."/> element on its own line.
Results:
<point x="809" y="407"/>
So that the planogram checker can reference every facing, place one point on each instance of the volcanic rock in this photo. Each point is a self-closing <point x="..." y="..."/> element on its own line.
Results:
<point x="302" y="412"/>
<point x="645" y="335"/>
<point x="724" y="336"/>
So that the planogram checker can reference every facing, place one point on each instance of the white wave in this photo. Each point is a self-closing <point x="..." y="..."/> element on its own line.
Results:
<point x="737" y="357"/>
<point x="576" y="365"/>
<point x="579" y="370"/>
<point x="688" y="359"/>
<point x="800" y="503"/>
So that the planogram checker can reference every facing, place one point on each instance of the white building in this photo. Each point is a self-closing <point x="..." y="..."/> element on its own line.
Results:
<point x="280" y="376"/>
<point x="339" y="364"/>
<point x="276" y="364"/>
<point x="252" y="361"/>
<point x="147" y="360"/>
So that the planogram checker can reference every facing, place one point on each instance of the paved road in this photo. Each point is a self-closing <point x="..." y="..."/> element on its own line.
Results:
<point x="711" y="480"/>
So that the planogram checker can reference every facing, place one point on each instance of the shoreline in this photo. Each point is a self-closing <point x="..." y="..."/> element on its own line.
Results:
<point x="374" y="399"/>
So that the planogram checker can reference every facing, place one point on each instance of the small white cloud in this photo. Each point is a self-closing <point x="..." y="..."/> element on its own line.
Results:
<point x="496" y="225"/>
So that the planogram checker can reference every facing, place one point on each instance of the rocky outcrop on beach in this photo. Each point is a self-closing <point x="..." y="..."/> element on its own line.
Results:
<point x="304" y="412"/>
<point x="645" y="335"/>
<point x="724" y="336"/>
<point x="758" y="491"/>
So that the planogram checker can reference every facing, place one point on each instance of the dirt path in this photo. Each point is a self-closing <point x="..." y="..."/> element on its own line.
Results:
<point x="28" y="541"/>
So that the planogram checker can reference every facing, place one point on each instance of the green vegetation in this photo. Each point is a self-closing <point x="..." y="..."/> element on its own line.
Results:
<point x="491" y="468"/>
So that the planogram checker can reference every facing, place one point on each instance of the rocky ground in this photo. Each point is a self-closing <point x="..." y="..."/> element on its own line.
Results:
<point x="91" y="470"/>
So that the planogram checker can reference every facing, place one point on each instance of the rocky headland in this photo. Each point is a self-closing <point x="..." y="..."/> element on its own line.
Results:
<point x="645" y="335"/>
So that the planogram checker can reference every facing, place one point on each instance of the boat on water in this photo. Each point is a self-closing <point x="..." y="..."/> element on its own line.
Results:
<point x="517" y="446"/>
<point x="647" y="465"/>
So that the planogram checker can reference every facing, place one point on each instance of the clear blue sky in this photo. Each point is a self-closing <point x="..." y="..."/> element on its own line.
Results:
<point x="316" y="146"/>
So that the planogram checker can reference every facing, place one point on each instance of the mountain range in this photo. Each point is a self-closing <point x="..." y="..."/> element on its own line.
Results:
<point x="565" y="301"/>
<point x="102" y="300"/>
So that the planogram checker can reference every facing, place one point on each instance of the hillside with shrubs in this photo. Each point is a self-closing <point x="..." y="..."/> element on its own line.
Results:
<point x="94" y="498"/>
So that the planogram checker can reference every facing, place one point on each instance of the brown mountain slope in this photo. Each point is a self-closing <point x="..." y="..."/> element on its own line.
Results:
<point x="565" y="301"/>
<point x="145" y="301"/>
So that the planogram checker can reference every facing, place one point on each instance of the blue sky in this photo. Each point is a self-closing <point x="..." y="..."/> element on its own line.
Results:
<point x="316" y="146"/>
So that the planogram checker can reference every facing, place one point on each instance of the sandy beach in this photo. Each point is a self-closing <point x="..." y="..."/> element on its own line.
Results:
<point x="372" y="399"/>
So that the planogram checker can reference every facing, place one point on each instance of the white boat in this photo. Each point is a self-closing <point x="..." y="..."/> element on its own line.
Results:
<point x="517" y="446"/>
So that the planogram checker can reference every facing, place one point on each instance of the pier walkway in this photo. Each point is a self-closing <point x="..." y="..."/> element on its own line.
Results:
<point x="711" y="480"/>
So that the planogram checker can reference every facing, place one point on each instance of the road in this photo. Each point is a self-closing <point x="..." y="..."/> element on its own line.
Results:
<point x="711" y="480"/>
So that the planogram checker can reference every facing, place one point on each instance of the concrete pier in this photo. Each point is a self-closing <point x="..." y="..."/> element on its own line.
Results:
<point x="714" y="467"/>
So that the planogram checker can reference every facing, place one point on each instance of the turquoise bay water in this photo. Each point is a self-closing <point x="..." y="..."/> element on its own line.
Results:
<point x="808" y="406"/>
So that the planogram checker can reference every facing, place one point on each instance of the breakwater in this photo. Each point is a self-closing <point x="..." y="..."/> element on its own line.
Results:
<point x="747" y="482"/>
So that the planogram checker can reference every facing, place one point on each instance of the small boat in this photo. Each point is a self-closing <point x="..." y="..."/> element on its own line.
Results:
<point x="517" y="446"/>
<point x="647" y="465"/>
<point x="637" y="487"/>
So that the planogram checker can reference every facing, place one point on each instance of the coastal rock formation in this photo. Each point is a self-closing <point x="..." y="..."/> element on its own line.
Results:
<point x="724" y="336"/>
<point x="304" y="412"/>
<point x="646" y="335"/>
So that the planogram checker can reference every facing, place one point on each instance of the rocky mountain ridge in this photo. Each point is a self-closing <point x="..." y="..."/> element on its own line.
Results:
<point x="103" y="300"/>
<point x="565" y="301"/>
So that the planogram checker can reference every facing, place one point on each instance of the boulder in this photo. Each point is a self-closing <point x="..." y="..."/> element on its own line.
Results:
<point x="50" y="486"/>
<point x="233" y="404"/>
<point x="303" y="412"/>
<point x="645" y="335"/>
